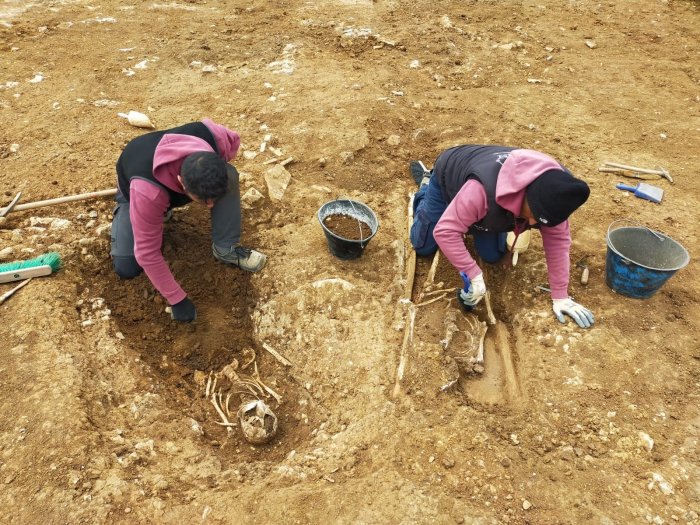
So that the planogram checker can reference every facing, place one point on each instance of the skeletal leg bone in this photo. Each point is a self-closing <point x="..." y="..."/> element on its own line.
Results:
<point x="480" y="352"/>
<point x="407" y="338"/>
<point x="431" y="274"/>
<point x="489" y="311"/>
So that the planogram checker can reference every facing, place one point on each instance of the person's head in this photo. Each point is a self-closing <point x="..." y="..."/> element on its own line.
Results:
<point x="203" y="176"/>
<point x="554" y="196"/>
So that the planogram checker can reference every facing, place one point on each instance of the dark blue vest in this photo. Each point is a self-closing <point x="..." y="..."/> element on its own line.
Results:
<point x="136" y="161"/>
<point x="455" y="166"/>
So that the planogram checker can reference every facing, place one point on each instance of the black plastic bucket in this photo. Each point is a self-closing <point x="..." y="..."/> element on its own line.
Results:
<point x="339" y="246"/>
<point x="640" y="260"/>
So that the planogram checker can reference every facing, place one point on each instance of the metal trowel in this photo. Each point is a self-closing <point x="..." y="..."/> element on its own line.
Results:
<point x="644" y="191"/>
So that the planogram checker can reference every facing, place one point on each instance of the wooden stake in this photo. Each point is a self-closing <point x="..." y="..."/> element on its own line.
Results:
<point x="411" y="264"/>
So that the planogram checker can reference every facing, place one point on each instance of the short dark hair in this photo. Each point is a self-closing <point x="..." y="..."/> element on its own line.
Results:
<point x="204" y="175"/>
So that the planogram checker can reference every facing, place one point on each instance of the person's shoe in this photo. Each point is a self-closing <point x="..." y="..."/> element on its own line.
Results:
<point x="420" y="174"/>
<point x="245" y="258"/>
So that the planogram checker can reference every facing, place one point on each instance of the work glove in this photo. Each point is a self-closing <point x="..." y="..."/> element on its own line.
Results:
<point x="472" y="292"/>
<point x="184" y="311"/>
<point x="582" y="315"/>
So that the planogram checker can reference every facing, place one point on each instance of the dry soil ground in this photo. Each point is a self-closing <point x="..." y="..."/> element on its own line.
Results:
<point x="103" y="414"/>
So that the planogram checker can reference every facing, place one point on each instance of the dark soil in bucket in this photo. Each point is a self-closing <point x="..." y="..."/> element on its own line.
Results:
<point x="347" y="227"/>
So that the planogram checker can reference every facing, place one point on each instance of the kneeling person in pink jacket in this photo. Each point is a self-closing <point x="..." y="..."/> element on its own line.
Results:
<point x="488" y="191"/>
<point x="163" y="170"/>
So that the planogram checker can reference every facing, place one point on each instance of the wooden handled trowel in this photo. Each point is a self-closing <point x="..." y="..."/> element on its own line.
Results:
<point x="518" y="244"/>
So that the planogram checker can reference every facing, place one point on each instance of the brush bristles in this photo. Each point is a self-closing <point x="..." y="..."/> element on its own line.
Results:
<point x="52" y="259"/>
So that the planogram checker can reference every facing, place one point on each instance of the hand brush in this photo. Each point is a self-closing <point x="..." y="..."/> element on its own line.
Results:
<point x="39" y="266"/>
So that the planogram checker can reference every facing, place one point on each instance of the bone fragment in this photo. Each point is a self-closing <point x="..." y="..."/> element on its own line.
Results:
<point x="274" y="394"/>
<point x="277" y="355"/>
<point x="441" y="290"/>
<point x="224" y="420"/>
<point x="407" y="338"/>
<point x="450" y="327"/>
<point x="432" y="300"/>
<point x="447" y="386"/>
<point x="430" y="279"/>
<point x="207" y="390"/>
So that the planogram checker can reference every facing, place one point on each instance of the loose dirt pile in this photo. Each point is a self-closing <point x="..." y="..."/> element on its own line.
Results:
<point x="104" y="416"/>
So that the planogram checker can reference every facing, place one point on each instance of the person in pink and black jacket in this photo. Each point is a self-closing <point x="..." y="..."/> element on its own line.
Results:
<point x="487" y="191"/>
<point x="163" y="170"/>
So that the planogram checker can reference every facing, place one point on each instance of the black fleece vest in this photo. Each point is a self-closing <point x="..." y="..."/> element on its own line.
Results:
<point x="455" y="166"/>
<point x="136" y="161"/>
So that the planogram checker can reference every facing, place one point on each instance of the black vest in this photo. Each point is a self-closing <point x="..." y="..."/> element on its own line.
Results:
<point x="136" y="161"/>
<point x="455" y="166"/>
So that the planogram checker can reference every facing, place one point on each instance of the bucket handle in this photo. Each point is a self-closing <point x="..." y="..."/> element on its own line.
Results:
<point x="655" y="233"/>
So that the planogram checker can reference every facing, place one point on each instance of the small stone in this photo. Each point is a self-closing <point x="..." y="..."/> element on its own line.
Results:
<point x="322" y="162"/>
<point x="526" y="505"/>
<point x="393" y="140"/>
<point x="448" y="462"/>
<point x="505" y="462"/>
<point x="120" y="335"/>
<point x="646" y="441"/>
<point x="591" y="43"/>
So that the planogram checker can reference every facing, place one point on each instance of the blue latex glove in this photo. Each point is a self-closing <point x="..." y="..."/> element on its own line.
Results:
<point x="583" y="316"/>
<point x="472" y="292"/>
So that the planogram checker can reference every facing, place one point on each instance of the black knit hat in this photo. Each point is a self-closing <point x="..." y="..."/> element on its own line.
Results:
<point x="555" y="195"/>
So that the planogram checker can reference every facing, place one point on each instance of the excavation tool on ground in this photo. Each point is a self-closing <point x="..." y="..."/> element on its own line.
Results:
<point x="13" y="206"/>
<point x="583" y="264"/>
<point x="38" y="267"/>
<point x="644" y="191"/>
<point x="634" y="172"/>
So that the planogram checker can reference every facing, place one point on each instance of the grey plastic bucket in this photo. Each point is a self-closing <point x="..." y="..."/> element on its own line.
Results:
<point x="640" y="260"/>
<point x="339" y="246"/>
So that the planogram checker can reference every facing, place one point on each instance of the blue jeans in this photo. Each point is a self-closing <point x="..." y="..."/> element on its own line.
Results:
<point x="428" y="207"/>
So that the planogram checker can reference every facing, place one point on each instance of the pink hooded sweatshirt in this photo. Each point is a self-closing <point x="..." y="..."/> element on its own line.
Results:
<point x="149" y="203"/>
<point x="470" y="206"/>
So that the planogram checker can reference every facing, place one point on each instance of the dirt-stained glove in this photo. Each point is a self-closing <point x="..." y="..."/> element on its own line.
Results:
<point x="184" y="311"/>
<point x="583" y="316"/>
<point x="473" y="291"/>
